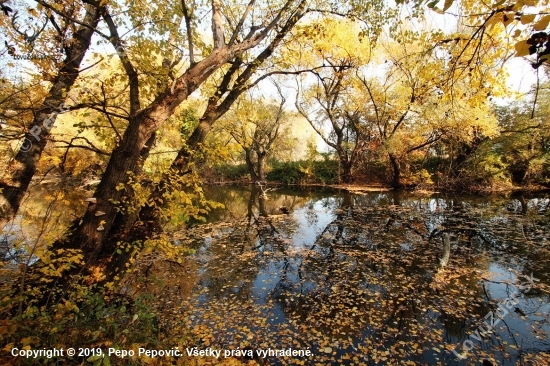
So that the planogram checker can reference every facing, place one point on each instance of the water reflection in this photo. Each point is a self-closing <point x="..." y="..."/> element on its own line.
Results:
<point x="42" y="218"/>
<point x="357" y="278"/>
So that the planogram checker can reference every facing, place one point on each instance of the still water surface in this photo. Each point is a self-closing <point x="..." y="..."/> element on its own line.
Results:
<point x="357" y="278"/>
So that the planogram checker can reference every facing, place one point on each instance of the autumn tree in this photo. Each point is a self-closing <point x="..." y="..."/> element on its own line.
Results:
<point x="232" y="37"/>
<point x="257" y="126"/>
<point x="414" y="105"/>
<point x="71" y="30"/>
<point x="322" y="99"/>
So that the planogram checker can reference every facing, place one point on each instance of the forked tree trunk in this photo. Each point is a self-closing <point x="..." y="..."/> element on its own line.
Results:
<point x="231" y="87"/>
<point x="94" y="234"/>
<point x="21" y="170"/>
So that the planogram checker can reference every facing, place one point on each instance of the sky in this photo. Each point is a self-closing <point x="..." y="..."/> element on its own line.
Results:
<point x="522" y="76"/>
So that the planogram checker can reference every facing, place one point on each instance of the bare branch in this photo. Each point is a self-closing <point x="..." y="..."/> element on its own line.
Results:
<point x="90" y="146"/>
<point x="187" y="18"/>
<point x="126" y="63"/>
<point x="241" y="22"/>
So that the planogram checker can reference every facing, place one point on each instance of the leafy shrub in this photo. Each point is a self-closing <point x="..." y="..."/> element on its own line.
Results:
<point x="286" y="173"/>
<point x="88" y="318"/>
<point x="485" y="170"/>
<point x="233" y="172"/>
<point x="304" y="172"/>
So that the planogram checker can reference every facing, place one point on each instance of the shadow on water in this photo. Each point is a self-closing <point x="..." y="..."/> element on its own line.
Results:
<point x="360" y="279"/>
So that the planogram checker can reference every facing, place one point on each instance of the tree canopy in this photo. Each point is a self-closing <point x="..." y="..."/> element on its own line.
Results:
<point x="119" y="97"/>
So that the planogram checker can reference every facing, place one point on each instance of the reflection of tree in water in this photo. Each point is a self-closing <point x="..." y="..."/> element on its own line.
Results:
<point x="368" y="283"/>
<point x="244" y="244"/>
<point x="311" y="215"/>
<point x="386" y="294"/>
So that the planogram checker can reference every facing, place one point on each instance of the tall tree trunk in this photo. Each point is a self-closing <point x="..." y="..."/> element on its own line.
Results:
<point x="345" y="167"/>
<point x="250" y="165"/>
<point x="261" y="166"/>
<point x="231" y="87"/>
<point x="396" y="169"/>
<point x="21" y="170"/>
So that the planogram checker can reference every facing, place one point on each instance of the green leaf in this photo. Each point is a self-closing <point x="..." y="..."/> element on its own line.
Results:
<point x="95" y="358"/>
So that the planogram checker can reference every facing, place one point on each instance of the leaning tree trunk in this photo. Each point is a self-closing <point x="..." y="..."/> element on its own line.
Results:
<point x="91" y="233"/>
<point x="21" y="170"/>
<point x="217" y="106"/>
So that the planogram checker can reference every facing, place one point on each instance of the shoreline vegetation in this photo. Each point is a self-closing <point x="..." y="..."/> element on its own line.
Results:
<point x="358" y="188"/>
<point x="350" y="187"/>
<point x="115" y="117"/>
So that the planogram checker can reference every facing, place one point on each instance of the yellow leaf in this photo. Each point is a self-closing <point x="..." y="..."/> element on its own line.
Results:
<point x="447" y="4"/>
<point x="507" y="18"/>
<point x="542" y="23"/>
<point x="527" y="18"/>
<point x="522" y="49"/>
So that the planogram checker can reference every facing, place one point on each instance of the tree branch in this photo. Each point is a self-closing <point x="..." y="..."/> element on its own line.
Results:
<point x="217" y="26"/>
<point x="91" y="146"/>
<point x="126" y="63"/>
<point x="187" y="18"/>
